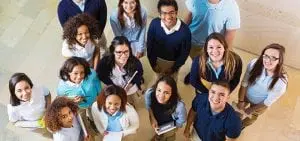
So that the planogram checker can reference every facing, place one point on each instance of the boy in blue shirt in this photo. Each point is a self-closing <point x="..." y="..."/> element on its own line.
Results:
<point x="212" y="117"/>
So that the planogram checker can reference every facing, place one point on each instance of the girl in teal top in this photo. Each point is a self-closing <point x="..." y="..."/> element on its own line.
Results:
<point x="78" y="82"/>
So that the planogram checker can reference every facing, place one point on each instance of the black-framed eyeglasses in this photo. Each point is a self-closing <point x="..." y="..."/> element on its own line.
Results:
<point x="119" y="53"/>
<point x="271" y="58"/>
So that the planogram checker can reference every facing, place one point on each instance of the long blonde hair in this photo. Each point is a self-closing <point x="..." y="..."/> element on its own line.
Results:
<point x="229" y="57"/>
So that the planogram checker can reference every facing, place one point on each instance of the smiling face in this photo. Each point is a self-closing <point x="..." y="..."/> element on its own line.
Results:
<point x="112" y="104"/>
<point x="168" y="16"/>
<point x="218" y="96"/>
<point x="23" y="91"/>
<point x="163" y="92"/>
<point x="77" y="74"/>
<point x="271" y="59"/>
<point x="121" y="54"/>
<point x="66" y="117"/>
<point x="215" y="50"/>
<point x="83" y="35"/>
<point x="129" y="6"/>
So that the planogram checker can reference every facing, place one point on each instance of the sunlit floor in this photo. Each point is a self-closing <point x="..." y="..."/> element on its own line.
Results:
<point x="30" y="42"/>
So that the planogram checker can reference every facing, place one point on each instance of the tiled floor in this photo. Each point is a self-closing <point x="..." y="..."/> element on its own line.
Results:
<point x="30" y="42"/>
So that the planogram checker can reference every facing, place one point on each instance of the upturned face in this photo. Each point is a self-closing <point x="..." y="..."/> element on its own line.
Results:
<point x="66" y="117"/>
<point x="23" y="91"/>
<point x="271" y="59"/>
<point x="168" y="16"/>
<point x="218" y="96"/>
<point x="129" y="6"/>
<point x="77" y="74"/>
<point x="163" y="92"/>
<point x="83" y="35"/>
<point x="215" y="50"/>
<point x="121" y="54"/>
<point x="112" y="104"/>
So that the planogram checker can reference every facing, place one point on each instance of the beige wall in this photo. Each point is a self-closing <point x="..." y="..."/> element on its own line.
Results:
<point x="262" y="22"/>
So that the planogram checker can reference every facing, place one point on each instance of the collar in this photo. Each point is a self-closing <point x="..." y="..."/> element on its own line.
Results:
<point x="73" y="84"/>
<point x="219" y="115"/>
<point x="173" y="29"/>
<point x="79" y="3"/>
<point x="129" y="22"/>
<point x="88" y="44"/>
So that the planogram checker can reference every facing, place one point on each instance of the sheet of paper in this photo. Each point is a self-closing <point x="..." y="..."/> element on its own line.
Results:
<point x="113" y="136"/>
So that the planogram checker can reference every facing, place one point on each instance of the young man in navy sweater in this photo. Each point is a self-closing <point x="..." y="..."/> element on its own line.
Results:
<point x="168" y="40"/>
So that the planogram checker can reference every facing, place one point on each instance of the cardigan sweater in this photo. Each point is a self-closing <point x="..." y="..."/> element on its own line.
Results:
<point x="211" y="76"/>
<point x="104" y="73"/>
<point x="129" y="120"/>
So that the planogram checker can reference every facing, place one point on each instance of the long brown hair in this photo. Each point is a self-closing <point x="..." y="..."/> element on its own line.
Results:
<point x="230" y="61"/>
<point x="137" y="15"/>
<point x="279" y="72"/>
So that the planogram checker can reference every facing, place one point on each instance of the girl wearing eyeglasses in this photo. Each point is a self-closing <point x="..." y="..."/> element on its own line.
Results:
<point x="265" y="81"/>
<point x="119" y="66"/>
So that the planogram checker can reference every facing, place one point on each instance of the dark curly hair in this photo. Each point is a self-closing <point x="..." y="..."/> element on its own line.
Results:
<point x="71" y="26"/>
<point x="52" y="120"/>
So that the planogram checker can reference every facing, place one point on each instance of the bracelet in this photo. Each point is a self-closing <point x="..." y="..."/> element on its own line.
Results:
<point x="241" y="101"/>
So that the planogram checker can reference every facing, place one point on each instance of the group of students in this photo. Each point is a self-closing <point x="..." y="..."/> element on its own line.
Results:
<point x="206" y="36"/>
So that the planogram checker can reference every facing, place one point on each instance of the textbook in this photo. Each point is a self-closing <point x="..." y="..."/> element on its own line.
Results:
<point x="165" y="128"/>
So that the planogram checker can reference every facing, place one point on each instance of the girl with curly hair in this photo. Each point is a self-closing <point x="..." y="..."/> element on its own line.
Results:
<point x="265" y="81"/>
<point x="215" y="63"/>
<point x="79" y="34"/>
<point x="61" y="120"/>
<point x="119" y="65"/>
<point x="28" y="102"/>
<point x="112" y="113"/>
<point x="164" y="105"/>
<point x="80" y="83"/>
<point x="130" y="20"/>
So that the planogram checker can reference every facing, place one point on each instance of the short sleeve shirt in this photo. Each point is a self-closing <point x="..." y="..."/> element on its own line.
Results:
<point x="208" y="18"/>
<point x="31" y="110"/>
<point x="211" y="127"/>
<point x="259" y="92"/>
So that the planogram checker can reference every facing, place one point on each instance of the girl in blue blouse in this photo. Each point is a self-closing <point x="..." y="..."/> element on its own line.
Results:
<point x="165" y="106"/>
<point x="265" y="81"/>
<point x="130" y="21"/>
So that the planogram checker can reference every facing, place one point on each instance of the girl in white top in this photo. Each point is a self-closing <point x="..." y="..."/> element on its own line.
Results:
<point x="61" y="120"/>
<point x="80" y="33"/>
<point x="112" y="113"/>
<point x="28" y="102"/>
<point x="265" y="81"/>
